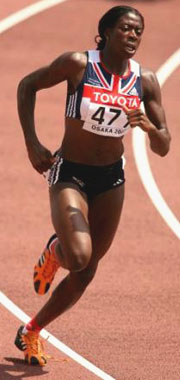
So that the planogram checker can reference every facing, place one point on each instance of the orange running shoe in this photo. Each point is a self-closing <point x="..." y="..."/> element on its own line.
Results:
<point x="46" y="268"/>
<point x="32" y="347"/>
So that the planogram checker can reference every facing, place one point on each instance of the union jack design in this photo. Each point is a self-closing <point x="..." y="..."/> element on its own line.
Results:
<point x="116" y="82"/>
<point x="99" y="86"/>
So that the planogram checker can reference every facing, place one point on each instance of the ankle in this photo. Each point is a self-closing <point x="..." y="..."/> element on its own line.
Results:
<point x="52" y="248"/>
<point x="55" y="249"/>
<point x="32" y="326"/>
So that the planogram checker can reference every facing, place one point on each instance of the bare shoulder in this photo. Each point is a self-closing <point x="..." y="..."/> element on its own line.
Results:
<point x="79" y="58"/>
<point x="72" y="65"/>
<point x="67" y="66"/>
<point x="76" y="59"/>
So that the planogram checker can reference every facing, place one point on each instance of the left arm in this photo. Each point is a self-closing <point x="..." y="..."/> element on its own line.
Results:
<point x="154" y="121"/>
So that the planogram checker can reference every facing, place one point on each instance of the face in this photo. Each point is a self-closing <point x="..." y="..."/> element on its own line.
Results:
<point x="125" y="36"/>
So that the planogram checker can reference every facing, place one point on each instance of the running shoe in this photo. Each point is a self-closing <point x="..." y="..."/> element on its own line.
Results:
<point x="46" y="268"/>
<point x="32" y="347"/>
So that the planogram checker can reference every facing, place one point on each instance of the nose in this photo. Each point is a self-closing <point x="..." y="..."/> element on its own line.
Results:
<point x="132" y="34"/>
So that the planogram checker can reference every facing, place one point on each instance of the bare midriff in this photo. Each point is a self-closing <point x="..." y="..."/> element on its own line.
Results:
<point x="88" y="148"/>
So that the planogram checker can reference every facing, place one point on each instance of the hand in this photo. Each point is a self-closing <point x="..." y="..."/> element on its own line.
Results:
<point x="138" y="118"/>
<point x="40" y="157"/>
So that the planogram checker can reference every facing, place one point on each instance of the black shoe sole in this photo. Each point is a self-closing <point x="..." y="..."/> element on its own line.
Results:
<point x="17" y="341"/>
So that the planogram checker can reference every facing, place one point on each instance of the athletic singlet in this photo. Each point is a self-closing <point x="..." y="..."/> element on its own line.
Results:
<point x="101" y="97"/>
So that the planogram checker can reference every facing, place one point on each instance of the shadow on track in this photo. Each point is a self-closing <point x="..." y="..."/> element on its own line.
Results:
<point x="18" y="369"/>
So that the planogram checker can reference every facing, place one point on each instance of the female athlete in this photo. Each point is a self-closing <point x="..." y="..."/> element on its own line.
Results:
<point x="86" y="176"/>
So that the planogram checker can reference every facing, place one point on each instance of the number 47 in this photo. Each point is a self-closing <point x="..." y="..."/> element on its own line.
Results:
<point x="99" y="115"/>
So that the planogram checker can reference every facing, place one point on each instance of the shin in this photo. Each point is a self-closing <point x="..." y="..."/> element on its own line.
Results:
<point x="66" y="294"/>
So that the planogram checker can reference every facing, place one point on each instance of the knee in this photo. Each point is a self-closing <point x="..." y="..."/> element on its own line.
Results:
<point x="79" y="260"/>
<point x="78" y="254"/>
<point x="75" y="257"/>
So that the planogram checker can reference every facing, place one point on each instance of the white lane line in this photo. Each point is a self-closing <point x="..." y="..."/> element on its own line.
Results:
<point x="6" y="302"/>
<point x="141" y="157"/>
<point x="6" y="24"/>
<point x="26" y="13"/>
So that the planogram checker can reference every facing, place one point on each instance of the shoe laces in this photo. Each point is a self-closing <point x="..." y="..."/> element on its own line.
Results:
<point x="51" y="266"/>
<point x="34" y="344"/>
<point x="36" y="348"/>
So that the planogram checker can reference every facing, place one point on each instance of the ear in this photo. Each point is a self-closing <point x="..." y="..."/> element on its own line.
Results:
<point x="107" y="33"/>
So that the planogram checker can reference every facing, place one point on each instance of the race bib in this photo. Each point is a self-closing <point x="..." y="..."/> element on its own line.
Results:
<point x="106" y="120"/>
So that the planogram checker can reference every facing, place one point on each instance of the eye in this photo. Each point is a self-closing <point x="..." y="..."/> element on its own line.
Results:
<point x="124" y="28"/>
<point x="138" y="31"/>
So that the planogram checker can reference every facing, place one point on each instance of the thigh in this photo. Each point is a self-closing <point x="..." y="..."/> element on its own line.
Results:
<point x="104" y="216"/>
<point x="69" y="211"/>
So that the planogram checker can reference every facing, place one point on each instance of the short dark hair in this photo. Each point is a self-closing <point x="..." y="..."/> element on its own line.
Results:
<point x="109" y="19"/>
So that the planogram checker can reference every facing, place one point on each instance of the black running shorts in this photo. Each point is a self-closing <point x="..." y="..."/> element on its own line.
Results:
<point x="90" y="179"/>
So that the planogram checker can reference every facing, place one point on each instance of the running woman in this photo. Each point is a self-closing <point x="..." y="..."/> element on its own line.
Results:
<point x="86" y="177"/>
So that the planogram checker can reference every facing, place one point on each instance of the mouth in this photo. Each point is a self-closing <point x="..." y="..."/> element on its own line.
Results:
<point x="131" y="48"/>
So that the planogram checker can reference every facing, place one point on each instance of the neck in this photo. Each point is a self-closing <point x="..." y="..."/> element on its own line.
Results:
<point x="116" y="65"/>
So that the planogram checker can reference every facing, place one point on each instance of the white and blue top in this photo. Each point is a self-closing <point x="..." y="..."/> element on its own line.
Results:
<point x="102" y="98"/>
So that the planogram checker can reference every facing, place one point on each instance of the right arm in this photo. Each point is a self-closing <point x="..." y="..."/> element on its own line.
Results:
<point x="68" y="67"/>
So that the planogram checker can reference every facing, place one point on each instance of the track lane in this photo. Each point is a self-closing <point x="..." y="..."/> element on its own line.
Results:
<point x="139" y="147"/>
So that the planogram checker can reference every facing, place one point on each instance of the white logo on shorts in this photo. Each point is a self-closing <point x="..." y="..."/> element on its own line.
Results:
<point x="118" y="182"/>
<point x="78" y="181"/>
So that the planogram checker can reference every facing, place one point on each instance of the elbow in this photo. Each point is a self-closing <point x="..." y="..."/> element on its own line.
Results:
<point x="22" y="84"/>
<point x="20" y="87"/>
<point x="25" y="92"/>
<point x="21" y="93"/>
<point x="161" y="149"/>
<point x="164" y="152"/>
<point x="165" y="148"/>
<point x="25" y="86"/>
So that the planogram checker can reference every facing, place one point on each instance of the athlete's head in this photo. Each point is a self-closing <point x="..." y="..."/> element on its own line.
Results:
<point x="110" y="19"/>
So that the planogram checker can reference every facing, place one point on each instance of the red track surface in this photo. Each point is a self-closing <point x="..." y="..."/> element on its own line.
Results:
<point x="128" y="321"/>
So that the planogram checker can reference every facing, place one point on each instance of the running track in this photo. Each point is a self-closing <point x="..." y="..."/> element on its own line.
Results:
<point x="127" y="323"/>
